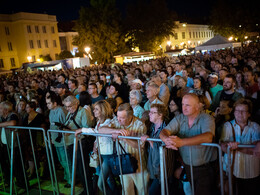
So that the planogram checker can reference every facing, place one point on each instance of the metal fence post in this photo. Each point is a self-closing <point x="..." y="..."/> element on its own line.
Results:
<point x="74" y="164"/>
<point x="161" y="152"/>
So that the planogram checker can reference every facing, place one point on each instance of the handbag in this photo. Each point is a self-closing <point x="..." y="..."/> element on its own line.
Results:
<point x="128" y="162"/>
<point x="94" y="160"/>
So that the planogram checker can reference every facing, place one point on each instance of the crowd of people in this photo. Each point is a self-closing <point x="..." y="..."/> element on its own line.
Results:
<point x="185" y="101"/>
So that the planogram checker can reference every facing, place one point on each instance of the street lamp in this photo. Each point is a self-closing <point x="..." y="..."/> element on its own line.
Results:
<point x="169" y="43"/>
<point x="29" y="58"/>
<point x="87" y="49"/>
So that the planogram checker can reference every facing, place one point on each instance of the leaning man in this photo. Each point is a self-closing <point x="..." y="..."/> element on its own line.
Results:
<point x="184" y="133"/>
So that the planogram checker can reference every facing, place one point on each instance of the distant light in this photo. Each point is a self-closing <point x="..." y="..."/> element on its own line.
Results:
<point x="182" y="43"/>
<point x="38" y="60"/>
<point x="160" y="46"/>
<point x="29" y="58"/>
<point x="230" y="38"/>
<point x="189" y="42"/>
<point x="87" y="49"/>
<point x="236" y="39"/>
<point x="184" y="25"/>
<point x="240" y="26"/>
<point x="198" y="42"/>
<point x="256" y="24"/>
<point x="246" y="37"/>
<point x="169" y="43"/>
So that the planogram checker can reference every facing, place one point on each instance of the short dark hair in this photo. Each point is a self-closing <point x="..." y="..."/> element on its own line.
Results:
<point x="93" y="84"/>
<point x="32" y="105"/>
<point x="231" y="76"/>
<point x="74" y="81"/>
<point x="54" y="98"/>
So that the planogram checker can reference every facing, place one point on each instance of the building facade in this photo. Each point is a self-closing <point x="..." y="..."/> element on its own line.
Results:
<point x="187" y="36"/>
<point x="27" y="37"/>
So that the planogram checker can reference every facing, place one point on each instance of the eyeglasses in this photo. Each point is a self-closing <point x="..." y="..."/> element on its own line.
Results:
<point x="70" y="106"/>
<point x="241" y="111"/>
<point x="153" y="112"/>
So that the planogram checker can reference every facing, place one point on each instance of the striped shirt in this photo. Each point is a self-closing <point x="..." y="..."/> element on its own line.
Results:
<point x="245" y="166"/>
<point x="137" y="128"/>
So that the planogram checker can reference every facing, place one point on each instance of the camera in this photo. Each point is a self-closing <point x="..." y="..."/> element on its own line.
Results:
<point x="61" y="127"/>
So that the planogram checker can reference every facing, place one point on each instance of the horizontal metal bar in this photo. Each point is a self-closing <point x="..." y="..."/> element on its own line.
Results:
<point x="20" y="127"/>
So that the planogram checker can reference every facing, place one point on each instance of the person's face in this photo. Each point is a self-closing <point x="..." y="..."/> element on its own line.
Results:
<point x="197" y="84"/>
<point x="173" y="107"/>
<point x="116" y="78"/>
<point x="28" y="109"/>
<point x="169" y="70"/>
<point x="150" y="92"/>
<point x="181" y="83"/>
<point x="133" y="100"/>
<point x="81" y="88"/>
<point x="177" y="67"/>
<point x="71" y="107"/>
<point x="154" y="115"/>
<point x="212" y="80"/>
<point x="248" y="77"/>
<point x="21" y="106"/>
<point x="97" y="112"/>
<point x="10" y="88"/>
<point x="228" y="84"/>
<point x="60" y="91"/>
<point x="223" y="108"/>
<point x="103" y="78"/>
<point x="239" y="78"/>
<point x="222" y="74"/>
<point x="163" y="76"/>
<point x="184" y="73"/>
<point x="91" y="89"/>
<point x="123" y="119"/>
<point x="241" y="113"/>
<point x="71" y="85"/>
<point x="190" y="106"/>
<point x="50" y="105"/>
<point x="33" y="84"/>
<point x="61" y="79"/>
<point x="112" y="90"/>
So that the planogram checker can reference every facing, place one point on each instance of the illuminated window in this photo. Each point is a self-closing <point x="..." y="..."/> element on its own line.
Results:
<point x="29" y="30"/>
<point x="54" y="43"/>
<point x="183" y="35"/>
<point x="46" y="43"/>
<point x="37" y="29"/>
<point x="196" y="34"/>
<point x="7" y="32"/>
<point x="52" y="29"/>
<point x="12" y="62"/>
<point x="1" y="63"/>
<point x="44" y="29"/>
<point x="31" y="44"/>
<point x="176" y="36"/>
<point x="39" y="44"/>
<point x="10" y="47"/>
<point x="193" y="34"/>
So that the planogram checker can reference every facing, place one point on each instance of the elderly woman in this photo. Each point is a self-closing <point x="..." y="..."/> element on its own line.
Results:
<point x="103" y="114"/>
<point x="157" y="116"/>
<point x="135" y="100"/>
<point x="246" y="166"/>
<point x="152" y="93"/>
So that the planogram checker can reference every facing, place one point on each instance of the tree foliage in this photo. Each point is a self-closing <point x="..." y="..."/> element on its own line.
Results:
<point x="229" y="18"/>
<point x="65" y="54"/>
<point x="99" y="27"/>
<point x="148" y="23"/>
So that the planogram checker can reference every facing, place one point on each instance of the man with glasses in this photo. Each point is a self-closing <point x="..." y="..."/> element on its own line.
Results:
<point x="92" y="90"/>
<point x="77" y="118"/>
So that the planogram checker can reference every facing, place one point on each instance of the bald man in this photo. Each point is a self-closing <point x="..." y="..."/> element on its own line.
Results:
<point x="186" y="131"/>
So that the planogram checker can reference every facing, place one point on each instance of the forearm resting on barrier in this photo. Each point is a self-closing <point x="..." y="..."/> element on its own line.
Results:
<point x="174" y="142"/>
<point x="235" y="146"/>
<point x="8" y="123"/>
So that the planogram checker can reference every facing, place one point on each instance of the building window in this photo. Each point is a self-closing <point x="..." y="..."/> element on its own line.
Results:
<point x="202" y="34"/>
<point x="183" y="35"/>
<point x="12" y="62"/>
<point x="193" y="35"/>
<point x="39" y="44"/>
<point x="44" y="29"/>
<point x="199" y="34"/>
<point x="46" y="43"/>
<point x="54" y="43"/>
<point x="33" y="58"/>
<point x="29" y="30"/>
<point x="196" y="34"/>
<point x="31" y="44"/>
<point x="10" y="47"/>
<point x="207" y="34"/>
<point x="52" y="29"/>
<point x="176" y="36"/>
<point x="7" y="32"/>
<point x="190" y="34"/>
<point x="1" y="63"/>
<point x="0" y="49"/>
<point x="37" y="29"/>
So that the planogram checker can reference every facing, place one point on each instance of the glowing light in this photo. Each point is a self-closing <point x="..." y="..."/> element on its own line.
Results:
<point x="169" y="43"/>
<point x="246" y="37"/>
<point x="189" y="42"/>
<point x="198" y="42"/>
<point x="87" y="49"/>
<point x="184" y="25"/>
<point x="236" y="39"/>
<point x="182" y="43"/>
<point x="29" y="58"/>
<point x="38" y="60"/>
<point x="240" y="26"/>
<point x="230" y="38"/>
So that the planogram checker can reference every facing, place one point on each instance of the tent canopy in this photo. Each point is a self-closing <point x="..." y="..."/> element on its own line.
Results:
<point x="217" y="42"/>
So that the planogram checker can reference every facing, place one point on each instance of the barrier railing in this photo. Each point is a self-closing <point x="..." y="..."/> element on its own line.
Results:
<point x="230" y="186"/>
<point x="15" y="134"/>
<point x="77" y="140"/>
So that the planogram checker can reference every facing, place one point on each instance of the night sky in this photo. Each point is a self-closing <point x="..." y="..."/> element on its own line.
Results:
<point x="68" y="9"/>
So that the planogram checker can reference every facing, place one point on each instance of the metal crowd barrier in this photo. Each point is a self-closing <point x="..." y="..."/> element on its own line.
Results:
<point x="51" y="163"/>
<point x="230" y="186"/>
<point x="14" y="132"/>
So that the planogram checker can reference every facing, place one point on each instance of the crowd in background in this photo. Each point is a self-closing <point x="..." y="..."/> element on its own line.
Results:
<point x="156" y="99"/>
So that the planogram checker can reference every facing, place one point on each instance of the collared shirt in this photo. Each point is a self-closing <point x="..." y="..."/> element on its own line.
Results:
<point x="245" y="165"/>
<point x="138" y="111"/>
<point x="105" y="143"/>
<point x="137" y="128"/>
<point x="203" y="123"/>
<point x="164" y="93"/>
<point x="147" y="105"/>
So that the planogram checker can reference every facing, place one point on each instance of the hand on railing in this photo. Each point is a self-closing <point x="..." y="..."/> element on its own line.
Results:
<point x="144" y="138"/>
<point x="233" y="145"/>
<point x="173" y="142"/>
<point x="78" y="132"/>
<point x="256" y="151"/>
